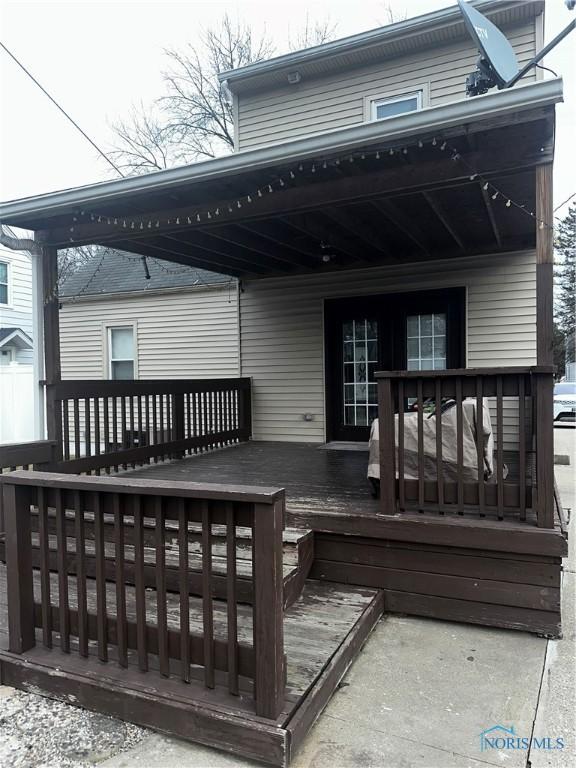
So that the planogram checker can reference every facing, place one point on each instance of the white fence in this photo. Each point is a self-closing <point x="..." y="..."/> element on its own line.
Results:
<point x="16" y="403"/>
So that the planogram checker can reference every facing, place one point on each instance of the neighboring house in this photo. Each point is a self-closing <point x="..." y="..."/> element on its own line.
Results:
<point x="390" y="242"/>
<point x="115" y="323"/>
<point x="16" y="359"/>
<point x="15" y="307"/>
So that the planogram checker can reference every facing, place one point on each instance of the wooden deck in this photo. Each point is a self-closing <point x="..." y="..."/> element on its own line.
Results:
<point x="503" y="573"/>
<point x="316" y="480"/>
<point x="323" y="631"/>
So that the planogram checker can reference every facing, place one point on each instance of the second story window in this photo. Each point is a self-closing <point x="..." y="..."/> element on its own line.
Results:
<point x="121" y="352"/>
<point x="4" y="292"/>
<point x="395" y="105"/>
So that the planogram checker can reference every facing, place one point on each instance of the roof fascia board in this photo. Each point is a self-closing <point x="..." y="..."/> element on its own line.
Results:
<point x="394" y="129"/>
<point x="426" y="23"/>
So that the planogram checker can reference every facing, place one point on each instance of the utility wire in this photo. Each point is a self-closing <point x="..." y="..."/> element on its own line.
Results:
<point x="66" y="115"/>
<point x="565" y="201"/>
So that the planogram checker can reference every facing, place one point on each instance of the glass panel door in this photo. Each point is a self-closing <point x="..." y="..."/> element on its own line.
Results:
<point x="359" y="363"/>
<point x="426" y="342"/>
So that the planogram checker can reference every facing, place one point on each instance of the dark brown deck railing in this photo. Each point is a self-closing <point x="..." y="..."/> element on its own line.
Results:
<point x="116" y="424"/>
<point x="72" y="589"/>
<point x="421" y="478"/>
<point x="30" y="455"/>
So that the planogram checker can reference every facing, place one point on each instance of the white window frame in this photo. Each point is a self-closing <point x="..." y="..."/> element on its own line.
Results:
<point x="8" y="284"/>
<point x="107" y="343"/>
<point x="422" y="92"/>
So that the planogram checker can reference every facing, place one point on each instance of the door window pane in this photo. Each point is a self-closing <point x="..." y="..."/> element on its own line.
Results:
<point x="426" y="342"/>
<point x="360" y="355"/>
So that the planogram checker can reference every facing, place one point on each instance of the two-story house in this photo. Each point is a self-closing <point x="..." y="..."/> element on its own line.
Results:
<point x="392" y="243"/>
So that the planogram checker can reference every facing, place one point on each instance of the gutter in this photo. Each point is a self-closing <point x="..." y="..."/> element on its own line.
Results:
<point x="395" y="129"/>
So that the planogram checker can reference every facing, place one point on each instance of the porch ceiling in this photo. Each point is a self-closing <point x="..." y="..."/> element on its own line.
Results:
<point x="387" y="199"/>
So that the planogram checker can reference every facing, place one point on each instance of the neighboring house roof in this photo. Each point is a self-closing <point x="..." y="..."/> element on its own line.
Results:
<point x="15" y="337"/>
<point x="119" y="272"/>
<point x="376" y="45"/>
<point x="213" y="177"/>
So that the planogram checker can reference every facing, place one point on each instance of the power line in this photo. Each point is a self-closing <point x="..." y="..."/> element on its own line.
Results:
<point x="565" y="201"/>
<point x="66" y="115"/>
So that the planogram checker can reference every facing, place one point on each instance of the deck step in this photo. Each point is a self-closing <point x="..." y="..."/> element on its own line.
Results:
<point x="298" y="555"/>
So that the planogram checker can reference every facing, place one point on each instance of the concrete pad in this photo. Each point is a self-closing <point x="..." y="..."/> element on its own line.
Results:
<point x="556" y="714"/>
<point x="441" y="684"/>
<point x="156" y="751"/>
<point x="336" y="743"/>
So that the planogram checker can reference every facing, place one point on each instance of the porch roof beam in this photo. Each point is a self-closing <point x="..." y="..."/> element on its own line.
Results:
<point x="441" y="213"/>
<point x="407" y="226"/>
<point x="392" y="182"/>
<point x="491" y="215"/>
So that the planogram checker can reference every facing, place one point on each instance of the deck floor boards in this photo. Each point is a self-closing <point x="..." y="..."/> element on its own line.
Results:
<point x="315" y="479"/>
<point x="314" y="628"/>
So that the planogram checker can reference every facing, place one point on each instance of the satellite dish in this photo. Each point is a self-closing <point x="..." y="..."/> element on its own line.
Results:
<point x="497" y="65"/>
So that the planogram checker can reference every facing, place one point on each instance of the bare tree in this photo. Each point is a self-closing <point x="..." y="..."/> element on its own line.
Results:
<point x="193" y="120"/>
<point x="313" y="33"/>
<point x="390" y="16"/>
<point x="69" y="259"/>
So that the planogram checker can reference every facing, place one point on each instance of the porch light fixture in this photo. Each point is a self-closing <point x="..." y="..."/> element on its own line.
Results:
<point x="294" y="77"/>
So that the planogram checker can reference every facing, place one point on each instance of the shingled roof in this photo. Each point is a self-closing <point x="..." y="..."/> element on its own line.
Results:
<point x="119" y="272"/>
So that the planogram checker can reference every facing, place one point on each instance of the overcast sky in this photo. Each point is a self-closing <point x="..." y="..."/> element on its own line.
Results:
<point x="98" y="58"/>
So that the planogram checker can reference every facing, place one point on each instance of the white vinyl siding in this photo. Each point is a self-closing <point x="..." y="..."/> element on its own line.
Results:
<point x="338" y="100"/>
<point x="180" y="334"/>
<point x="18" y="312"/>
<point x="282" y="335"/>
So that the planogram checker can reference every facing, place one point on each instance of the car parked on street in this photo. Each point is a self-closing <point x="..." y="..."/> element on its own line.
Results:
<point x="565" y="403"/>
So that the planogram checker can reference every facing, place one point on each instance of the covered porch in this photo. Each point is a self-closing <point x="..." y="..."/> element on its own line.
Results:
<point x="166" y="485"/>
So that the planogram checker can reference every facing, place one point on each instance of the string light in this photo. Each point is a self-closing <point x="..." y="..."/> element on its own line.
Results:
<point x="443" y="144"/>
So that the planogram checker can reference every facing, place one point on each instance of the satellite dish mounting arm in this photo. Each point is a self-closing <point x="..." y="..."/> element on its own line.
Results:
<point x="547" y="48"/>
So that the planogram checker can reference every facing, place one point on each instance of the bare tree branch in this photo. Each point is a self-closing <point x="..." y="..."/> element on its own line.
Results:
<point x="193" y="120"/>
<point x="18" y="243"/>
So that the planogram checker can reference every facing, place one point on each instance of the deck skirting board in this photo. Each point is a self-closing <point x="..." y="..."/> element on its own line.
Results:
<point x="246" y="736"/>
<point x="513" y="592"/>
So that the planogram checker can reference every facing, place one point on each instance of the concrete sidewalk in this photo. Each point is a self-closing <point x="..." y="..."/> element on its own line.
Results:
<point x="418" y="696"/>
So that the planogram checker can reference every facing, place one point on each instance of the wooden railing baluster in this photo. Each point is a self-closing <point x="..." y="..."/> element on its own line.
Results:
<point x="500" y="446"/>
<point x="459" y="446"/>
<point x="162" y="616"/>
<point x="62" y="565"/>
<point x="420" y="414"/>
<point x="401" y="486"/>
<point x="439" y="459"/>
<point x="45" y="591"/>
<point x="101" y="602"/>
<point x="140" y="585"/>
<point x="119" y="555"/>
<point x="81" y="574"/>
<point x="208" y="609"/>
<point x="480" y="444"/>
<point x="522" y="445"/>
<point x="183" y="564"/>
<point x="231" y="600"/>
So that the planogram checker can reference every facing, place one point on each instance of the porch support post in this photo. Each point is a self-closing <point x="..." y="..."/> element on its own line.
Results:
<point x="52" y="367"/>
<point x="38" y="352"/>
<point x="544" y="347"/>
